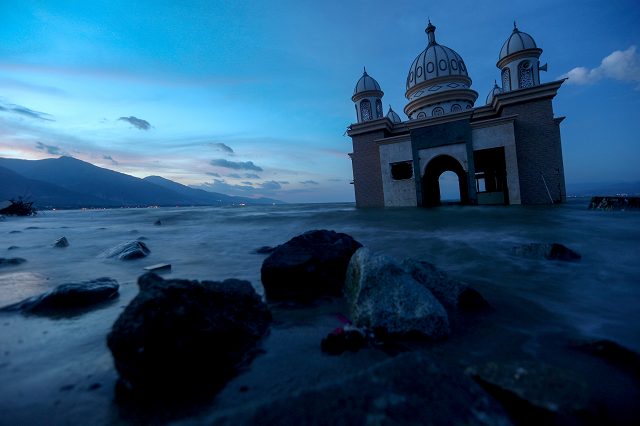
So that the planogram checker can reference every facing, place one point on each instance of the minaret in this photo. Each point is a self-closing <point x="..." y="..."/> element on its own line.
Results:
<point x="368" y="99"/>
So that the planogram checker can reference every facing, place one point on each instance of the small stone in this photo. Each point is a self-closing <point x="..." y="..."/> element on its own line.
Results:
<point x="60" y="242"/>
<point x="157" y="223"/>
<point x="546" y="251"/>
<point x="128" y="250"/>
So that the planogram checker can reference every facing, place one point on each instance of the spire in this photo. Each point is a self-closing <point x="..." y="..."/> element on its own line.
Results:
<point x="365" y="71"/>
<point x="515" y="29"/>
<point x="431" y="30"/>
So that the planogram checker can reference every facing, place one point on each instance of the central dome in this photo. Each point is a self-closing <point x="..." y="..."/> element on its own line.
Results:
<point x="435" y="61"/>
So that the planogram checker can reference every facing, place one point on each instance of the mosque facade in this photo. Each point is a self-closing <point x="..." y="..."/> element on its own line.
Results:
<point x="507" y="151"/>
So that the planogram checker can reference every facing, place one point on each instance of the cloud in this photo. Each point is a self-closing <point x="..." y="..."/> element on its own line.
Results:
<point x="621" y="66"/>
<point x="247" y="183"/>
<point x="234" y="175"/>
<point x="219" y="146"/>
<point x="17" y="109"/>
<point x="309" y="182"/>
<point x="50" y="149"/>
<point x="236" y="165"/>
<point x="334" y="180"/>
<point x="283" y="182"/>
<point x="251" y="176"/>
<point x="212" y="174"/>
<point x="271" y="185"/>
<point x="108" y="157"/>
<point x="137" y="122"/>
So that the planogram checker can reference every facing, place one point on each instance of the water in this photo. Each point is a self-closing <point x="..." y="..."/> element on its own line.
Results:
<point x="598" y="297"/>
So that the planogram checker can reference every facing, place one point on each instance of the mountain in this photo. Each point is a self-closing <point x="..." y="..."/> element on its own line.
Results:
<point x="603" y="189"/>
<point x="208" y="197"/>
<point x="67" y="181"/>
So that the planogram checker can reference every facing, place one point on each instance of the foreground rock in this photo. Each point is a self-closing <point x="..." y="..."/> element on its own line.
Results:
<point x="128" y="250"/>
<point x="11" y="261"/>
<point x="450" y="293"/>
<point x="308" y="266"/>
<point x="624" y="358"/>
<point x="382" y="294"/>
<point x="178" y="335"/>
<point x="546" y="251"/>
<point x="409" y="389"/>
<point x="68" y="296"/>
<point x="60" y="242"/>
<point x="534" y="390"/>
<point x="614" y="203"/>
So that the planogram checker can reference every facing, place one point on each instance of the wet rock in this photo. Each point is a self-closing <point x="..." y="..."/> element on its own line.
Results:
<point x="382" y="294"/>
<point x="264" y="250"/>
<point x="11" y="261"/>
<point x="178" y="335"/>
<point x="546" y="251"/>
<point x="409" y="389"/>
<point x="451" y="293"/>
<point x="157" y="223"/>
<point x="13" y="248"/>
<point x="60" y="242"/>
<point x="612" y="352"/>
<point x="310" y="265"/>
<point x="342" y="340"/>
<point x="68" y="296"/>
<point x="15" y="232"/>
<point x="533" y="389"/>
<point x="128" y="250"/>
<point x="614" y="203"/>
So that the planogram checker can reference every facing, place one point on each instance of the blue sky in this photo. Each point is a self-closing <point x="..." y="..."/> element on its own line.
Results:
<point x="253" y="98"/>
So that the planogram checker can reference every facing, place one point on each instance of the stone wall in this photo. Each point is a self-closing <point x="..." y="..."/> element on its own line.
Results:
<point x="367" y="175"/>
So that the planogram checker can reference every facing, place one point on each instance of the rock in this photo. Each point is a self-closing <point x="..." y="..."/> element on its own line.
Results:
<point x="60" y="242"/>
<point x="179" y="335"/>
<point x="450" y="293"/>
<point x="126" y="251"/>
<point x="11" y="261"/>
<point x="614" y="203"/>
<point x="382" y="294"/>
<point x="340" y="341"/>
<point x="531" y="386"/>
<point x="310" y="265"/>
<point x="546" y="251"/>
<point x="15" y="232"/>
<point x="409" y="389"/>
<point x="68" y="296"/>
<point x="157" y="223"/>
<point x="264" y="250"/>
<point x="13" y="248"/>
<point x="617" y="355"/>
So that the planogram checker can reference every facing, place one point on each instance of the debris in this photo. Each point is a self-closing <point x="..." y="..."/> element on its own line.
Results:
<point x="17" y="207"/>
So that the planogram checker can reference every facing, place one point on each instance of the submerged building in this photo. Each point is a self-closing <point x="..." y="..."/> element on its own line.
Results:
<point x="507" y="151"/>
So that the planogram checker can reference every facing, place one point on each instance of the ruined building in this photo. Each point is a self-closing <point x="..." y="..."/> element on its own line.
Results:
<point x="507" y="151"/>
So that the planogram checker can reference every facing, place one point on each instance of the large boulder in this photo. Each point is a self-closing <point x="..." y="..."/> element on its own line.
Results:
<point x="128" y="250"/>
<point x="451" y="293"/>
<point x="382" y="294"/>
<point x="409" y="389"/>
<point x="179" y="335"/>
<point x="310" y="265"/>
<point x="11" y="261"/>
<point x="68" y="296"/>
<point x="546" y="251"/>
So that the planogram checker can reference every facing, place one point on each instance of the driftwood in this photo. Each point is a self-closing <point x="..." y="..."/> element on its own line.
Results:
<point x="17" y="207"/>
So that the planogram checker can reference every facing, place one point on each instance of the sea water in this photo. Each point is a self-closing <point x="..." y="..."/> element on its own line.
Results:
<point x="595" y="297"/>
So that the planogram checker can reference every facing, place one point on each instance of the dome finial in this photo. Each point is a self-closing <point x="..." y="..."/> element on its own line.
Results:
<point x="514" y="27"/>
<point x="365" y="71"/>
<point x="431" y="32"/>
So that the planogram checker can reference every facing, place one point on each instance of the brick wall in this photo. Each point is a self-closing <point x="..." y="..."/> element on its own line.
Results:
<point x="367" y="176"/>
<point x="538" y="149"/>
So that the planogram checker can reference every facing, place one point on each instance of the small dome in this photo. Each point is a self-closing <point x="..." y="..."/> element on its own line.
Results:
<point x="391" y="115"/>
<point x="517" y="41"/>
<point x="435" y="61"/>
<point x="365" y="83"/>
<point x="495" y="91"/>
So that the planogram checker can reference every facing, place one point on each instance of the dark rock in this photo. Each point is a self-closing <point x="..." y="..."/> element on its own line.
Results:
<point x="310" y="265"/>
<point x="409" y="389"/>
<point x="15" y="232"/>
<point x="157" y="223"/>
<point x="132" y="231"/>
<point x="534" y="387"/>
<point x="60" y="242"/>
<point x="11" y="261"/>
<point x="128" y="250"/>
<point x="68" y="296"/>
<point x="614" y="203"/>
<point x="451" y="293"/>
<point x="180" y="335"/>
<point x="264" y="250"/>
<point x="382" y="294"/>
<point x="13" y="248"/>
<point x="546" y="251"/>
<point x="612" y="352"/>
<point x="338" y="342"/>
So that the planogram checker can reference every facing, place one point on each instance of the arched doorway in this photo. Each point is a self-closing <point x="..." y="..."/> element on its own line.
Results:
<point x="431" y="184"/>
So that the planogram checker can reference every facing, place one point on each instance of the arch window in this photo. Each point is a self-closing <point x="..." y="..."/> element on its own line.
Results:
<point x="462" y="67"/>
<point x="525" y="76"/>
<point x="455" y="108"/>
<point x="365" y="110"/>
<point x="506" y="80"/>
<point x="442" y="64"/>
<point x="430" y="67"/>
<point x="468" y="106"/>
<point x="454" y="65"/>
<point x="437" y="111"/>
<point x="379" y="113"/>
<point x="422" y="115"/>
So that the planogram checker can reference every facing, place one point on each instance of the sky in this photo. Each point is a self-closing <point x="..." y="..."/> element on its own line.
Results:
<point x="253" y="98"/>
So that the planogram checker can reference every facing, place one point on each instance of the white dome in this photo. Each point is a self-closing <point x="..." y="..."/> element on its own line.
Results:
<point x="391" y="115"/>
<point x="495" y="91"/>
<point x="365" y="83"/>
<point x="517" y="41"/>
<point x="435" y="61"/>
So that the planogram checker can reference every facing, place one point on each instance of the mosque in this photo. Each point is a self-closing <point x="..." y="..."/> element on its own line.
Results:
<point x="507" y="151"/>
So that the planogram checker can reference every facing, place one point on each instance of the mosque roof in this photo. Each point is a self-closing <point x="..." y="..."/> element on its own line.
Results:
<point x="517" y="41"/>
<point x="435" y="61"/>
<point x="393" y="116"/>
<point x="365" y="83"/>
<point x="495" y="91"/>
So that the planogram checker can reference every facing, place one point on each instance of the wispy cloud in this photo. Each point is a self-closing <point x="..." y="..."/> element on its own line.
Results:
<point x="236" y="165"/>
<point x="234" y="175"/>
<point x="212" y="174"/>
<point x="24" y="111"/>
<point x="283" y="182"/>
<point x="251" y="176"/>
<point x="309" y="182"/>
<point x="334" y="180"/>
<point x="136" y="122"/>
<point x="108" y="157"/>
<point x="50" y="149"/>
<point x="219" y="146"/>
<point x="622" y="66"/>
<point x="271" y="185"/>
